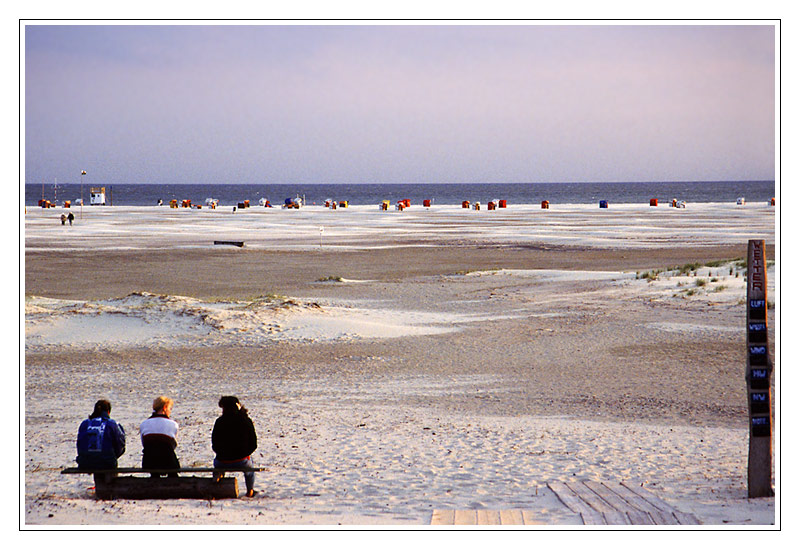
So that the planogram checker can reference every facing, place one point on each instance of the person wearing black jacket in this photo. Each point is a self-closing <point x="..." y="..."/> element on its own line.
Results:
<point x="233" y="439"/>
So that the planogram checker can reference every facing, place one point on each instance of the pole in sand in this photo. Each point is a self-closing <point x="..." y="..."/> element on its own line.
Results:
<point x="83" y="173"/>
<point x="759" y="371"/>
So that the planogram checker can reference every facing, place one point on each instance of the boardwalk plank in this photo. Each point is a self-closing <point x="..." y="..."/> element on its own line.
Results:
<point x="669" y="514"/>
<point x="530" y="518"/>
<point x="612" y="515"/>
<point x="635" y="515"/>
<point x="511" y="517"/>
<point x="685" y="518"/>
<point x="488" y="517"/>
<point x="443" y="517"/>
<point x="484" y="517"/>
<point x="658" y="516"/>
<point x="465" y="517"/>
<point x="649" y="497"/>
<point x="675" y="515"/>
<point x="589" y="515"/>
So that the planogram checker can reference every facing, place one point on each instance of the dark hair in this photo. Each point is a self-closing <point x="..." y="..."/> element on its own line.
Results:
<point x="103" y="406"/>
<point x="230" y="405"/>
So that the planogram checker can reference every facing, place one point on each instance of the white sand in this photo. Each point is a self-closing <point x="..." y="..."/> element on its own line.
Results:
<point x="625" y="225"/>
<point x="144" y="319"/>
<point x="375" y="452"/>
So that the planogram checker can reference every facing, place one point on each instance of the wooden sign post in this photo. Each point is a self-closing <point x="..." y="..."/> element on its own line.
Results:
<point x="759" y="371"/>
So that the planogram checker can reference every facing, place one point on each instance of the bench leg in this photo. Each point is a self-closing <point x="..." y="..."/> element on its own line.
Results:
<point x="102" y="484"/>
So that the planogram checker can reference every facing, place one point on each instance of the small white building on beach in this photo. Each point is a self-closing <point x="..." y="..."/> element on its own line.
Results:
<point x="97" y="196"/>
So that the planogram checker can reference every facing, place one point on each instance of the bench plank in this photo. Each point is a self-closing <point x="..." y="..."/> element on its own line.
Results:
<point x="157" y="471"/>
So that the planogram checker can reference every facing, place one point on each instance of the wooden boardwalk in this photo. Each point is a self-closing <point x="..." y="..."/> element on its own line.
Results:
<point x="596" y="503"/>
<point x="484" y="517"/>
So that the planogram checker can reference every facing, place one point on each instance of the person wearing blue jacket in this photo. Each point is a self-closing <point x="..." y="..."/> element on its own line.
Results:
<point x="101" y="440"/>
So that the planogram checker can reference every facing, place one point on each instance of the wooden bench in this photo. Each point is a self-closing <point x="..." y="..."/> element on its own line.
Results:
<point x="110" y="485"/>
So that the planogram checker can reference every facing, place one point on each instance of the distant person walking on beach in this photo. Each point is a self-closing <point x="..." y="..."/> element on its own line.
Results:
<point x="71" y="217"/>
<point x="233" y="439"/>
<point x="101" y="440"/>
<point x="159" y="438"/>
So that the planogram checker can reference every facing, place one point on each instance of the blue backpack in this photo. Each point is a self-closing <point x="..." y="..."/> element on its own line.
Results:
<point x="100" y="442"/>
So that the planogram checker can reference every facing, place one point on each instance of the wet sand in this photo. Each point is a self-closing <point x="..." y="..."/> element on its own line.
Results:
<point x="233" y="272"/>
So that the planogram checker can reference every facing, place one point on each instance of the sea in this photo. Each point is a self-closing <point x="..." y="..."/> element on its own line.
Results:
<point x="137" y="194"/>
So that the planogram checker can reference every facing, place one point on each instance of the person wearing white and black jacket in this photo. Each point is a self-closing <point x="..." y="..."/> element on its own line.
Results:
<point x="159" y="438"/>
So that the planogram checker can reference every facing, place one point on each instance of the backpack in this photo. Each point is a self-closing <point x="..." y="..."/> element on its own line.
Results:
<point x="96" y="443"/>
<point x="95" y="432"/>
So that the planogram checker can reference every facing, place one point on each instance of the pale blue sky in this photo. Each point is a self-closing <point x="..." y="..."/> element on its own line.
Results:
<point x="392" y="103"/>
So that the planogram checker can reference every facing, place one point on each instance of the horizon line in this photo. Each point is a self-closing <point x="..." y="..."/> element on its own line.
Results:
<point x="417" y="183"/>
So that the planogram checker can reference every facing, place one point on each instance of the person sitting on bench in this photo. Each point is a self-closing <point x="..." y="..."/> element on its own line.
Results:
<point x="101" y="440"/>
<point x="233" y="439"/>
<point x="159" y="438"/>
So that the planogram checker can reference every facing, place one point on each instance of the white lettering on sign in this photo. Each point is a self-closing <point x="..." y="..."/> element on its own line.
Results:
<point x="757" y="268"/>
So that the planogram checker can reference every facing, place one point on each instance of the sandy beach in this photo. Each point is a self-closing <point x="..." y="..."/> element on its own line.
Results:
<point x="395" y="363"/>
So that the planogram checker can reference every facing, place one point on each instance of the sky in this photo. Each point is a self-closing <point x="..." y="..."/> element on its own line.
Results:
<point x="390" y="103"/>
